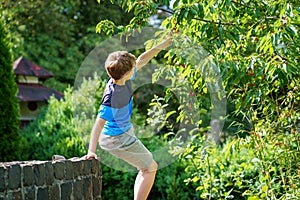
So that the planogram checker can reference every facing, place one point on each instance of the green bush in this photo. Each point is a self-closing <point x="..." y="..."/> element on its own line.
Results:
<point x="9" y="106"/>
<point x="220" y="173"/>
<point x="54" y="132"/>
<point x="261" y="166"/>
<point x="64" y="126"/>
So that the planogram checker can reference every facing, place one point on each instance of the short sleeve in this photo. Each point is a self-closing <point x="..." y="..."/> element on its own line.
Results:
<point x="105" y="112"/>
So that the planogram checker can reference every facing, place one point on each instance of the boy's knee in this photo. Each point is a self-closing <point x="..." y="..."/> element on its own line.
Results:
<point x="155" y="165"/>
<point x="152" y="167"/>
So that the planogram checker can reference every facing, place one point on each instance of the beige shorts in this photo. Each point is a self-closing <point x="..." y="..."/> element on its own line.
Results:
<point x="128" y="148"/>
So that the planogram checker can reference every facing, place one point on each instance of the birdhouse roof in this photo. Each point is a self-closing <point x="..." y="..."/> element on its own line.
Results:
<point x="22" y="66"/>
<point x="36" y="92"/>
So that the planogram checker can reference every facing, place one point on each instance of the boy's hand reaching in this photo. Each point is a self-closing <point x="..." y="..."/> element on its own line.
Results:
<point x="166" y="43"/>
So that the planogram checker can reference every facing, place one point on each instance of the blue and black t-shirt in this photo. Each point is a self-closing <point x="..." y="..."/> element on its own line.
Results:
<point x="116" y="107"/>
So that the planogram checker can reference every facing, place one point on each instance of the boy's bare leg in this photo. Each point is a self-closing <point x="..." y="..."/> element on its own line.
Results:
<point x="144" y="182"/>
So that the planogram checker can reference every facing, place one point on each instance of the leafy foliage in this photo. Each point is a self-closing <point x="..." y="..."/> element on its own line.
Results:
<point x="64" y="126"/>
<point x="57" y="35"/>
<point x="253" y="47"/>
<point x="9" y="106"/>
<point x="52" y="133"/>
<point x="252" y="168"/>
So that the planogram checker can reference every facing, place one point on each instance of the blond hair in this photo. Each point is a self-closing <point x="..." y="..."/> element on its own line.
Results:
<point x="119" y="63"/>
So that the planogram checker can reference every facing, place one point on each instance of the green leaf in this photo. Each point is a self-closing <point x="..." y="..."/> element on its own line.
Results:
<point x="253" y="198"/>
<point x="264" y="188"/>
<point x="199" y="188"/>
<point x="169" y="114"/>
<point x="291" y="30"/>
<point x="195" y="179"/>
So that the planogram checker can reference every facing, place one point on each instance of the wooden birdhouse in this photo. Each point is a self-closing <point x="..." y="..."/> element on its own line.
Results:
<point x="32" y="94"/>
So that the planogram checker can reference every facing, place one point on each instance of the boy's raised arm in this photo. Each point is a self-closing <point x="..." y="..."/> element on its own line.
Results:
<point x="145" y="57"/>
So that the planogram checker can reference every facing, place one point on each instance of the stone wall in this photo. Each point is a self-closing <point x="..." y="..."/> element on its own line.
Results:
<point x="51" y="180"/>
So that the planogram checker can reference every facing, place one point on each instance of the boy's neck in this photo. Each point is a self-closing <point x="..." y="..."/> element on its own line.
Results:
<point x="119" y="82"/>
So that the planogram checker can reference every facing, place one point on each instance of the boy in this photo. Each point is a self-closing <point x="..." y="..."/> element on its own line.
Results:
<point x="112" y="127"/>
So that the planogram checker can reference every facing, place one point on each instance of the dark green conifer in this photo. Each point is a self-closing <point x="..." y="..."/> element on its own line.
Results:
<point x="9" y="106"/>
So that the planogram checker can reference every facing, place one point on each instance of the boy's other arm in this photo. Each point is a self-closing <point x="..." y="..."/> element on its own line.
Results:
<point x="145" y="57"/>
<point x="97" y="129"/>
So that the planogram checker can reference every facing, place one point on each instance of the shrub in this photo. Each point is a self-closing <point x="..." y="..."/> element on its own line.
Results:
<point x="258" y="167"/>
<point x="54" y="132"/>
<point x="64" y="126"/>
<point x="9" y="106"/>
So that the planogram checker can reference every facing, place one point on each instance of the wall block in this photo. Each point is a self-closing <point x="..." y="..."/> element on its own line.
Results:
<point x="71" y="179"/>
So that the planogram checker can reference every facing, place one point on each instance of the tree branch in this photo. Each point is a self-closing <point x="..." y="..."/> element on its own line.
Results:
<point x="170" y="11"/>
<point x="281" y="57"/>
<point x="209" y="21"/>
<point x="199" y="19"/>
